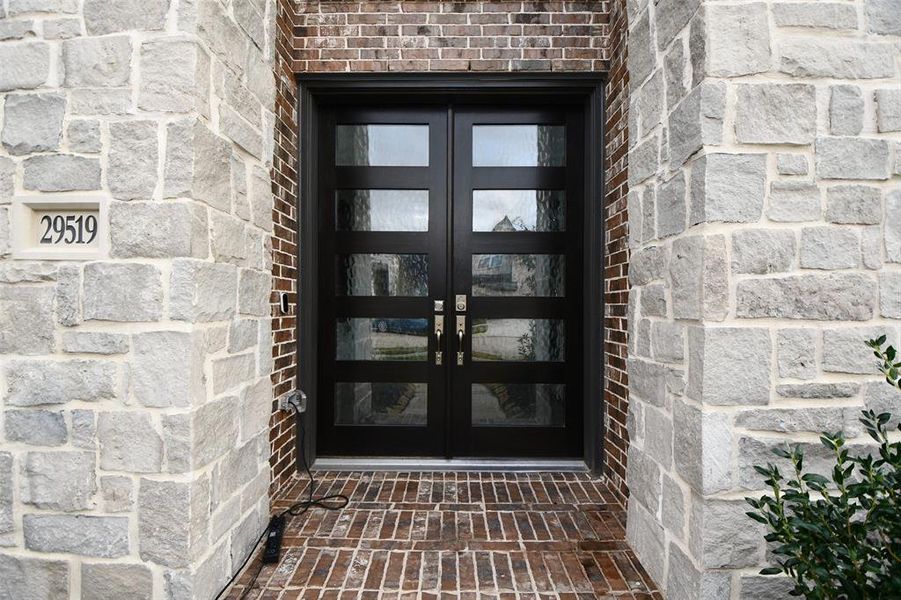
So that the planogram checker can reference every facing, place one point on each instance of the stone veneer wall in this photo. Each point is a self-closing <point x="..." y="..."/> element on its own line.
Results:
<point x="135" y="390"/>
<point x="765" y="226"/>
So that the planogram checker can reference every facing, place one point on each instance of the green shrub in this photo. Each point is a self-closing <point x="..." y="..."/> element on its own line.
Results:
<point x="839" y="537"/>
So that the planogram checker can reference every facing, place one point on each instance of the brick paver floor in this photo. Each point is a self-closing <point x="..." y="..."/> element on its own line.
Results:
<point x="455" y="535"/>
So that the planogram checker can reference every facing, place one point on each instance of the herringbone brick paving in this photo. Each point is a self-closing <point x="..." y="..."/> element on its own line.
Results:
<point x="455" y="535"/>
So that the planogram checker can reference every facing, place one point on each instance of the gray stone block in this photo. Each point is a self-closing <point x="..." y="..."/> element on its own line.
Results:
<point x="883" y="17"/>
<point x="644" y="160"/>
<point x="771" y="587"/>
<point x="34" y="578"/>
<point x="728" y="187"/>
<point x="647" y="265"/>
<point x="794" y="202"/>
<point x="195" y="161"/>
<point x="880" y="397"/>
<point x="892" y="227"/>
<point x="643" y="478"/>
<point x="775" y="113"/>
<point x="738" y="39"/>
<point x="20" y="7"/>
<point x="100" y="101"/>
<point x="97" y="61"/>
<point x="817" y="391"/>
<point x="796" y="353"/>
<point x="821" y="15"/>
<point x="702" y="448"/>
<point x="648" y="381"/>
<point x="791" y="164"/>
<point x="852" y="158"/>
<point x="890" y="294"/>
<point x="645" y="536"/>
<point x="845" y="350"/>
<point x="759" y="451"/>
<point x="838" y="58"/>
<point x="846" y="110"/>
<point x="133" y="158"/>
<point x="829" y="247"/>
<point x="697" y="121"/>
<point x="699" y="276"/>
<point x="672" y="208"/>
<point x="792" y="420"/>
<point x="61" y="173"/>
<point x="62" y="29"/>
<point x="729" y="365"/>
<point x="172" y="75"/>
<point x="68" y="296"/>
<point x="167" y="369"/>
<point x="17" y="30"/>
<point x="129" y="442"/>
<point x="653" y="300"/>
<point x="215" y="430"/>
<point x="117" y="493"/>
<point x="59" y="480"/>
<point x="35" y="427"/>
<point x="95" y="342"/>
<point x="84" y="429"/>
<point x="668" y="341"/>
<point x="168" y="515"/>
<point x="871" y="247"/>
<point x="228" y="238"/>
<point x="26" y="320"/>
<point x="32" y="122"/>
<point x="115" y="581"/>
<point x="122" y="292"/>
<point x="177" y="442"/>
<point x="685" y="581"/>
<point x="202" y="291"/>
<point x="85" y="535"/>
<point x="244" y="134"/>
<point x="888" y="110"/>
<point x="762" y="251"/>
<point x="261" y="200"/>
<point x="673" y="508"/>
<point x="832" y="297"/>
<point x="7" y="522"/>
<point x="27" y="65"/>
<point x="254" y="288"/>
<point x="674" y="74"/>
<point x="7" y="172"/>
<point x="659" y="441"/>
<point x="135" y="230"/>
<point x="642" y="55"/>
<point x="101" y="18"/>
<point x="37" y="382"/>
<point x="233" y="371"/>
<point x="671" y="17"/>
<point x="722" y="537"/>
<point x="854" y="204"/>
<point x="84" y="136"/>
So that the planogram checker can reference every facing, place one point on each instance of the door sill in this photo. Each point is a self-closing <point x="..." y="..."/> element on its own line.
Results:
<point x="455" y="464"/>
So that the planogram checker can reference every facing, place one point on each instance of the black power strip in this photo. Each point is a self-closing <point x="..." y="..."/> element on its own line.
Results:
<point x="273" y="548"/>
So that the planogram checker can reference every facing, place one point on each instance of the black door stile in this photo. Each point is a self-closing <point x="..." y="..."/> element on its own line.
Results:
<point x="450" y="243"/>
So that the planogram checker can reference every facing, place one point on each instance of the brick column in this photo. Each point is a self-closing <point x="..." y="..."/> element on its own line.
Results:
<point x="764" y="160"/>
<point x="135" y="389"/>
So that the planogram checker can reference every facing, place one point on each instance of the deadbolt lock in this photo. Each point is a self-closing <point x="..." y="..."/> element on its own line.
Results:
<point x="439" y="306"/>
<point x="461" y="303"/>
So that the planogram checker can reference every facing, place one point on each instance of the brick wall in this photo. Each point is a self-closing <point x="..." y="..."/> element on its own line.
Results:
<point x="410" y="36"/>
<point x="616" y="256"/>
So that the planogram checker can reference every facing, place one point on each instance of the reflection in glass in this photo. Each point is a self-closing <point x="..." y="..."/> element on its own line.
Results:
<point x="519" y="340"/>
<point x="518" y="145"/>
<point x="381" y="339"/>
<point x="383" y="275"/>
<point x="382" y="145"/>
<point x="518" y="275"/>
<point x="518" y="404"/>
<point x="382" y="210"/>
<point x="381" y="403"/>
<point x="518" y="210"/>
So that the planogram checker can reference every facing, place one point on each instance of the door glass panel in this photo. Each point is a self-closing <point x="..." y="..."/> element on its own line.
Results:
<point x="518" y="275"/>
<point x="382" y="145"/>
<point x="383" y="275"/>
<point x="518" y="340"/>
<point x="518" y="404"/>
<point x="382" y="210"/>
<point x="518" y="210"/>
<point x="381" y="403"/>
<point x="518" y="145"/>
<point x="381" y="339"/>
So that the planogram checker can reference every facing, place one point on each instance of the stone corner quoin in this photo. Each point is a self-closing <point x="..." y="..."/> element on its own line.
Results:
<point x="136" y="391"/>
<point x="765" y="239"/>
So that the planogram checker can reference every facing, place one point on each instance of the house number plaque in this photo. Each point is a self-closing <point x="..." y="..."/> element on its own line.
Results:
<point x="59" y="228"/>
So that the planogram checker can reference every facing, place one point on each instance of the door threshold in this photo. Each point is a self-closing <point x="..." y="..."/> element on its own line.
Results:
<point x="453" y="464"/>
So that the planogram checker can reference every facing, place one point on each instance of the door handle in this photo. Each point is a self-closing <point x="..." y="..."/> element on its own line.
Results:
<point x="461" y="331"/>
<point x="439" y="330"/>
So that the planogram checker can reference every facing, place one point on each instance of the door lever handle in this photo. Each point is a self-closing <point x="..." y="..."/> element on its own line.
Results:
<point x="439" y="329"/>
<point x="461" y="331"/>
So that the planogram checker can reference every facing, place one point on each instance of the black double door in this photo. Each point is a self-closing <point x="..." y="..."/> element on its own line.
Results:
<point x="450" y="296"/>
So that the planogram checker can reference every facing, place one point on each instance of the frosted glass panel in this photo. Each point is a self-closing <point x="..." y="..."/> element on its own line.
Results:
<point x="382" y="145"/>
<point x="534" y="275"/>
<point x="527" y="340"/>
<point x="518" y="404"/>
<point x="382" y="210"/>
<point x="518" y="145"/>
<point x="518" y="210"/>
<point x="381" y="339"/>
<point x="383" y="275"/>
<point x="381" y="404"/>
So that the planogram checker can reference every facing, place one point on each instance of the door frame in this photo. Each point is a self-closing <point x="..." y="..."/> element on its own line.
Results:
<point x="314" y="90"/>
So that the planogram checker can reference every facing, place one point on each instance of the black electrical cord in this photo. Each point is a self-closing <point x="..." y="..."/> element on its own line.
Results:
<point x="329" y="502"/>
